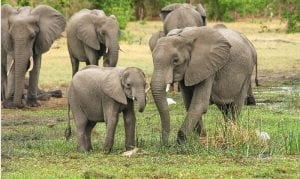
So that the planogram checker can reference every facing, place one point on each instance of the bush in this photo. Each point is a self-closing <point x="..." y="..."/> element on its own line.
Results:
<point x="292" y="15"/>
<point x="122" y="9"/>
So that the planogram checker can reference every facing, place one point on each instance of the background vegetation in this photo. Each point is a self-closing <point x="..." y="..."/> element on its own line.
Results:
<point x="218" y="10"/>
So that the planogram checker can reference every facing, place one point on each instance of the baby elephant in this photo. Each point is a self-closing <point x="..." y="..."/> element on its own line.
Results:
<point x="99" y="94"/>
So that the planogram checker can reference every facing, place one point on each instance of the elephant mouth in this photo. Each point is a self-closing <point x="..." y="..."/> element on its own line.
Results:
<point x="178" y="77"/>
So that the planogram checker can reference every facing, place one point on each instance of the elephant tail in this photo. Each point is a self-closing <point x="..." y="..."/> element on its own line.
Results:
<point x="68" y="131"/>
<point x="256" y="74"/>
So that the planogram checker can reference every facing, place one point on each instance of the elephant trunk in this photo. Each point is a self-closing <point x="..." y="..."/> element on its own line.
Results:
<point x="113" y="53"/>
<point x="158" y="88"/>
<point x="141" y="99"/>
<point x="21" y="64"/>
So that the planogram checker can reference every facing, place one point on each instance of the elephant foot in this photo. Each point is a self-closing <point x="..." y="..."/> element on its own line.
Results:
<point x="83" y="149"/>
<point x="9" y="104"/>
<point x="56" y="94"/>
<point x="250" y="101"/>
<point x="107" y="150"/>
<point x="33" y="103"/>
<point x="44" y="97"/>
<point x="129" y="147"/>
<point x="181" y="138"/>
<point x="200" y="130"/>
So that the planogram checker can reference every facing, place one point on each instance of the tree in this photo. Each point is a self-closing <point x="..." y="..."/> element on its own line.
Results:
<point x="291" y="13"/>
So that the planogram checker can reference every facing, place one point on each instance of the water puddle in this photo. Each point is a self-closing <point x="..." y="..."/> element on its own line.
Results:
<point x="278" y="97"/>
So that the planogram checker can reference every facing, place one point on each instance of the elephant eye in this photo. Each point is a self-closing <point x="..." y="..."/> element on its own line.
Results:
<point x="102" y="33"/>
<point x="128" y="85"/>
<point x="32" y="35"/>
<point x="176" y="60"/>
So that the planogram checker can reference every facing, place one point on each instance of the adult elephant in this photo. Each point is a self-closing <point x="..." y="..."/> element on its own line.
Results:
<point x="211" y="66"/>
<point x="26" y="34"/>
<point x="90" y="35"/>
<point x="178" y="16"/>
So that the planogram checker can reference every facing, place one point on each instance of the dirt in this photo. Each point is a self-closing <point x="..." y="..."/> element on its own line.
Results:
<point x="278" y="77"/>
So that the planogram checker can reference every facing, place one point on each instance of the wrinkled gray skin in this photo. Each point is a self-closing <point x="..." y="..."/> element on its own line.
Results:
<point x="99" y="94"/>
<point x="250" y="100"/>
<point x="25" y="33"/>
<point x="178" y="16"/>
<point x="90" y="35"/>
<point x="211" y="66"/>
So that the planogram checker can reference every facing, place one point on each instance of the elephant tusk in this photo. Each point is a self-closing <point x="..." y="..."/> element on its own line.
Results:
<point x="106" y="51"/>
<point x="168" y="87"/>
<point x="121" y="50"/>
<point x="10" y="67"/>
<point x="147" y="89"/>
<point x="31" y="64"/>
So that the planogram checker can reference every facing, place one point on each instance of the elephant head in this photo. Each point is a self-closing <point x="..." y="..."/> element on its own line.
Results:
<point x="27" y="32"/>
<point x="191" y="56"/>
<point x="133" y="83"/>
<point x="96" y="25"/>
<point x="130" y="84"/>
<point x="164" y="12"/>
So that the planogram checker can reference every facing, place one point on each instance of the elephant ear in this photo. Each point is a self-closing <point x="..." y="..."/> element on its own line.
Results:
<point x="166" y="10"/>
<point x="154" y="38"/>
<point x="210" y="52"/>
<point x="51" y="24"/>
<point x="6" y="12"/>
<point x="112" y="87"/>
<point x="86" y="31"/>
<point x="202" y="12"/>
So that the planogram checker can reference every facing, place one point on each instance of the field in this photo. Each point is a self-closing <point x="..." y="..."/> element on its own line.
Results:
<point x="33" y="143"/>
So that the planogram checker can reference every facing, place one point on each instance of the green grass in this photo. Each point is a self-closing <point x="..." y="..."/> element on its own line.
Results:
<point x="33" y="143"/>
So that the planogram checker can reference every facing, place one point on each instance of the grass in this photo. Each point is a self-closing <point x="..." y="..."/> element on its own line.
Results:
<point x="33" y="144"/>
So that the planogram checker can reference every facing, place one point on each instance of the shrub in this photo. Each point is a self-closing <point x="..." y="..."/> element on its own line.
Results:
<point x="292" y="15"/>
<point x="122" y="9"/>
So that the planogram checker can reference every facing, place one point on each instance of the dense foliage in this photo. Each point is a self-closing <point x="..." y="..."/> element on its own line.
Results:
<point x="220" y="10"/>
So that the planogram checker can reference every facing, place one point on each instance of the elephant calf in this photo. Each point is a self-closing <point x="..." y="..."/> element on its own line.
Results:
<point x="99" y="94"/>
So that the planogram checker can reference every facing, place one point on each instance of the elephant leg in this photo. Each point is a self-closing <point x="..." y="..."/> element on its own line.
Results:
<point x="81" y="134"/>
<point x="200" y="128"/>
<point x="33" y="82"/>
<point x="75" y="65"/>
<point x="224" y="108"/>
<point x="187" y="94"/>
<point x="235" y="110"/>
<point x="129" y="121"/>
<point x="111" y="116"/>
<point x="250" y="100"/>
<point x="198" y="107"/>
<point x="8" y="102"/>
<point x="82" y="125"/>
<point x="89" y="127"/>
<point x="91" y="55"/>
<point x="239" y="101"/>
<point x="3" y="75"/>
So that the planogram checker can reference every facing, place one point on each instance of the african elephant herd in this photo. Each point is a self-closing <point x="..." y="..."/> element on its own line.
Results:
<point x="213" y="65"/>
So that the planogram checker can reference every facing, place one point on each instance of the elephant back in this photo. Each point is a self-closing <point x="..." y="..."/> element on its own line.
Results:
<point x="184" y="16"/>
